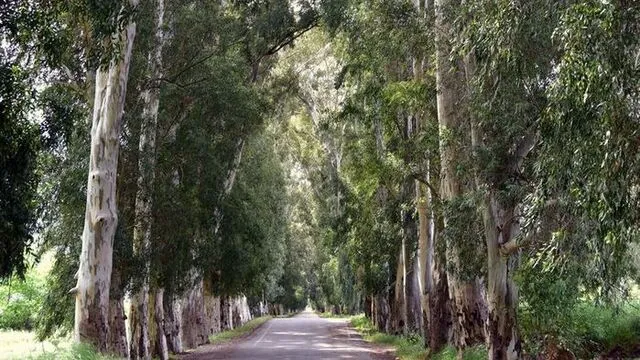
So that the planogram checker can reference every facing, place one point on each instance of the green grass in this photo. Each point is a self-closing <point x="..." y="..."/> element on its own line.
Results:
<point x="74" y="352"/>
<point x="603" y="329"/>
<point x="473" y="353"/>
<point x="247" y="328"/>
<point x="406" y="347"/>
<point x="586" y="329"/>
<point x="24" y="345"/>
<point x="17" y="344"/>
<point x="411" y="347"/>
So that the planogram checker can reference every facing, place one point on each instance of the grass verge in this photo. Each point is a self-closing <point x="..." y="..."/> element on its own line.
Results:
<point x="411" y="347"/>
<point x="406" y="347"/>
<point x="74" y="352"/>
<point x="472" y="353"/>
<point x="17" y="344"/>
<point x="245" y="329"/>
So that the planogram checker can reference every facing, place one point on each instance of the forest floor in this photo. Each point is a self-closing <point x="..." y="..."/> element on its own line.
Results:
<point x="304" y="336"/>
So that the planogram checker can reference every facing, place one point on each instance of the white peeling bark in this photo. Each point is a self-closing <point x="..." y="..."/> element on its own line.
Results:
<point x="139" y="319"/>
<point x="425" y="258"/>
<point x="96" y="258"/>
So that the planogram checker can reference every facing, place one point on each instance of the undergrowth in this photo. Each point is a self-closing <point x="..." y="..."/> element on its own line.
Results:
<point x="587" y="330"/>
<point x="406" y="347"/>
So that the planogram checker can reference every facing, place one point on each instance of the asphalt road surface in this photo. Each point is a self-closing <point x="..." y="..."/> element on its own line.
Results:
<point x="305" y="336"/>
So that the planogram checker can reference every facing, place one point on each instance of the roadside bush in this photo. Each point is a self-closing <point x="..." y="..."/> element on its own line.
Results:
<point x="585" y="329"/>
<point x="20" y="302"/>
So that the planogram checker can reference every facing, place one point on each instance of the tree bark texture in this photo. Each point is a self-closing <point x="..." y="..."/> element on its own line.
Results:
<point x="400" y="293"/>
<point x="425" y="258"/>
<point x="91" y="322"/>
<point x="117" y="326"/>
<point x="194" y="332"/>
<point x="139" y="320"/>
<point x="439" y="304"/>
<point x="503" y="339"/>
<point x="414" y="307"/>
<point x="173" y="323"/>
<point x="162" y="349"/>
<point x="382" y="312"/>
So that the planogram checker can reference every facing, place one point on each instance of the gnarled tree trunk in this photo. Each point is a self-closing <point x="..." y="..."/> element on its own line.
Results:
<point x="96" y="258"/>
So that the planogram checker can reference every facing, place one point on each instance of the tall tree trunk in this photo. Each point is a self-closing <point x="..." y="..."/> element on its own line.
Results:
<point x="400" y="300"/>
<point x="414" y="305"/>
<point x="139" y="316"/>
<point x="173" y="323"/>
<point x="193" y="326"/>
<point x="382" y="312"/>
<point x="439" y="304"/>
<point x="500" y="228"/>
<point x="193" y="317"/>
<point x="435" y="299"/>
<point x="162" y="349"/>
<point x="425" y="258"/>
<point x="468" y="306"/>
<point x="502" y="294"/>
<point x="96" y="258"/>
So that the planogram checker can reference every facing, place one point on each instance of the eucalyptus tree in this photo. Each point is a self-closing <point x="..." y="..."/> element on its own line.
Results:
<point x="94" y="273"/>
<point x="396" y="96"/>
<point x="505" y="90"/>
<point x="140" y="343"/>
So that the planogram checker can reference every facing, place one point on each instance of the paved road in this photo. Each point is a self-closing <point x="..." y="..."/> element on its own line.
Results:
<point x="305" y="336"/>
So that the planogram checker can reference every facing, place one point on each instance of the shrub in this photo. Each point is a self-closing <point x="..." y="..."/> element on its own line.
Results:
<point x="20" y="302"/>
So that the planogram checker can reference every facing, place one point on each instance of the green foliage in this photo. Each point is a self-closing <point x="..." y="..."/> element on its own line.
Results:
<point x="19" y="144"/>
<point x="586" y="329"/>
<point x="254" y="227"/>
<point x="20" y="301"/>
<point x="588" y="158"/>
<point x="472" y="353"/>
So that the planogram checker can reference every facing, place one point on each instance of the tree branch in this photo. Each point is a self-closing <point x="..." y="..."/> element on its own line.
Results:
<point x="523" y="148"/>
<point x="546" y="227"/>
<point x="422" y="180"/>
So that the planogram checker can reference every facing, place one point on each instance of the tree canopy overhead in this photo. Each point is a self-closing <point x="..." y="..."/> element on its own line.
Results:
<point x="466" y="172"/>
